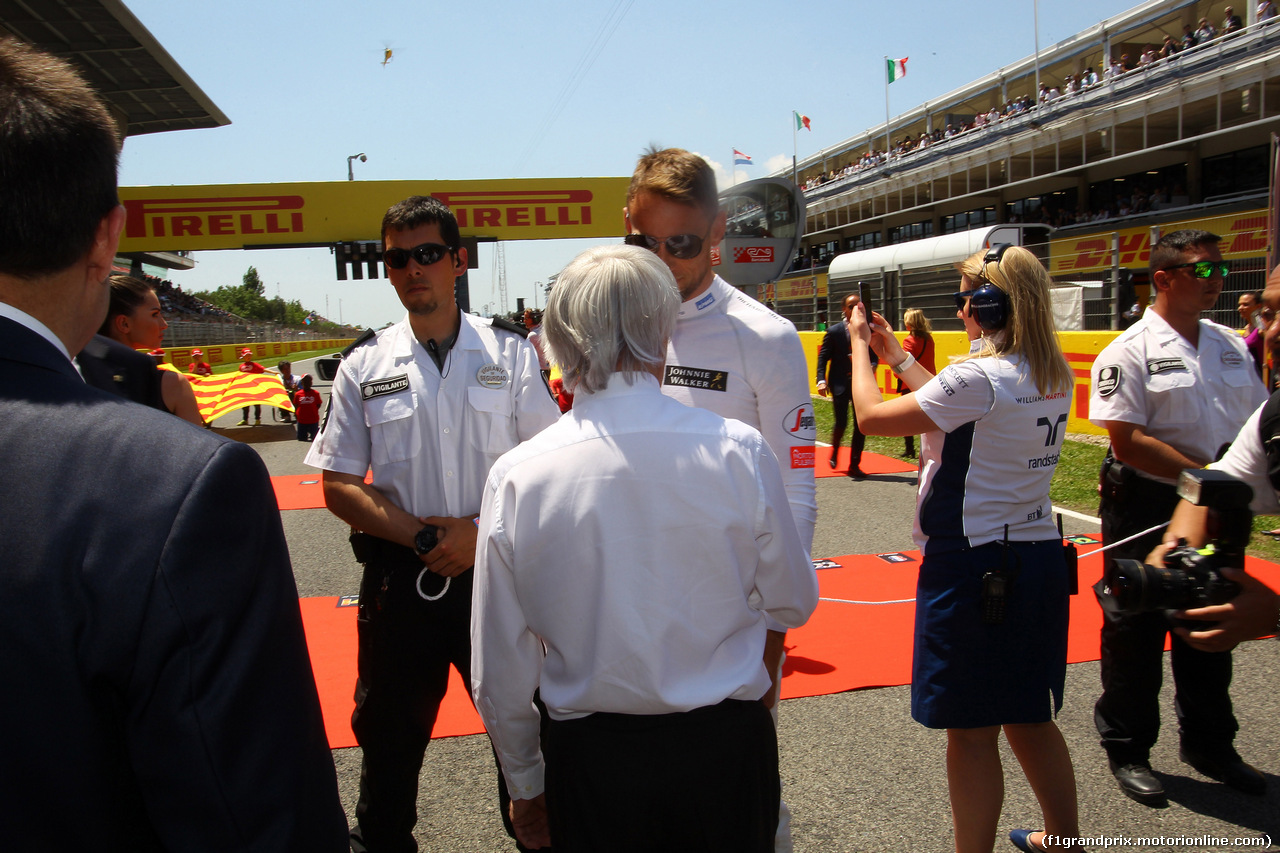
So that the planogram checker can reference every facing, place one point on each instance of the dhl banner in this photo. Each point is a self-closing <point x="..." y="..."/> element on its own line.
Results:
<point x="1244" y="235"/>
<point x="1081" y="348"/>
<point x="804" y="287"/>
<point x="235" y="216"/>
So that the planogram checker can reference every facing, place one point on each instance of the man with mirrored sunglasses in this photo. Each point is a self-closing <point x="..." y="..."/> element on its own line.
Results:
<point x="1172" y="391"/>
<point x="428" y="405"/>
<point x="729" y="354"/>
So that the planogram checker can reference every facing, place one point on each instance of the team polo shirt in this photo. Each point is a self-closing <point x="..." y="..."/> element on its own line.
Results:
<point x="991" y="459"/>
<point x="1192" y="398"/>
<point x="431" y="435"/>
<point x="733" y="356"/>
<point x="1247" y="460"/>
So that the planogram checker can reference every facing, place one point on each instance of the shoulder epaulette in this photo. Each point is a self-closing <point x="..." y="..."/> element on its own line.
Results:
<point x="368" y="335"/>
<point x="509" y="326"/>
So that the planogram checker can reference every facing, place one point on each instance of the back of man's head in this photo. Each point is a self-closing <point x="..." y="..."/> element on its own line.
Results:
<point x="613" y="309"/>
<point x="58" y="161"/>
<point x="678" y="175"/>
<point x="1170" y="248"/>
<point x="422" y="210"/>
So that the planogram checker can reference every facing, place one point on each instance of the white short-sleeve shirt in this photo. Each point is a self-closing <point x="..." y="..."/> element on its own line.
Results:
<point x="1194" y="399"/>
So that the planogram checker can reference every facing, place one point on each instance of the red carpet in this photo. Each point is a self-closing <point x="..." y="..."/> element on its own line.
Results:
<point x="844" y="646"/>
<point x="302" y="491"/>
<point x="872" y="463"/>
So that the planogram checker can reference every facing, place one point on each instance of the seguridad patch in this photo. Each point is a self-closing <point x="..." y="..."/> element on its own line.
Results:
<point x="493" y="376"/>
<point x="1108" y="380"/>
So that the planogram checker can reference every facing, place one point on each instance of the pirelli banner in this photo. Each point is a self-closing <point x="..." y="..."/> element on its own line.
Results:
<point x="1244" y="235"/>
<point x="237" y="216"/>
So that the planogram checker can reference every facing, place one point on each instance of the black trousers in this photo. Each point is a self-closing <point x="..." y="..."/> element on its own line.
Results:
<point x="1128" y="713"/>
<point x="406" y="646"/>
<point x="842" y="407"/>
<point x="703" y="780"/>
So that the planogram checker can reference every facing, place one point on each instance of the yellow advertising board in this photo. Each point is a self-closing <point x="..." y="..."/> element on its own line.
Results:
<point x="180" y="357"/>
<point x="1080" y="348"/>
<point x="1244" y="235"/>
<point x="801" y="287"/>
<point x="236" y="216"/>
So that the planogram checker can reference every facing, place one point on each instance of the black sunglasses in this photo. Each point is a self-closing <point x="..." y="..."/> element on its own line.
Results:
<point x="962" y="298"/>
<point x="425" y="254"/>
<point x="1205" y="269"/>
<point x="681" y="246"/>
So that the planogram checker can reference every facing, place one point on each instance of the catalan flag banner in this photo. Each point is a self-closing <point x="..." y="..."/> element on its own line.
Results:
<point x="226" y="392"/>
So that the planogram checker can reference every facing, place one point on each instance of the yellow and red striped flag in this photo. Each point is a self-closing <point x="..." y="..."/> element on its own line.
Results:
<point x="224" y="392"/>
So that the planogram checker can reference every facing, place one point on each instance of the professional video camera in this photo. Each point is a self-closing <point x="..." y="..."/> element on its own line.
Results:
<point x="1191" y="577"/>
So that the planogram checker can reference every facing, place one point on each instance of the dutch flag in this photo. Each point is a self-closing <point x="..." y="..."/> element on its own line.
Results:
<point x="740" y="159"/>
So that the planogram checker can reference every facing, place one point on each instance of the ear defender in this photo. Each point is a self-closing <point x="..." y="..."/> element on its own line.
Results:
<point x="988" y="304"/>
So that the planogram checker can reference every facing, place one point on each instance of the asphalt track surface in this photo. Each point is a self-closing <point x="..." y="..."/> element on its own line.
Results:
<point x="858" y="773"/>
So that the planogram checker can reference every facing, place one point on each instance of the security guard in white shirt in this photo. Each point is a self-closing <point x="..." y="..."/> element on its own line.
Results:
<point x="1172" y="391"/>
<point x="428" y="404"/>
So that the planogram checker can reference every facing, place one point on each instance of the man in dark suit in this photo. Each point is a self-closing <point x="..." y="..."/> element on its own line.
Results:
<point x="160" y="693"/>
<point x="833" y="379"/>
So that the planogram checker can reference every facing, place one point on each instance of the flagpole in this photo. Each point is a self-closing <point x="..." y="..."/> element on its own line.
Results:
<point x="794" y="148"/>
<point x="888" y="143"/>
<point x="733" y="165"/>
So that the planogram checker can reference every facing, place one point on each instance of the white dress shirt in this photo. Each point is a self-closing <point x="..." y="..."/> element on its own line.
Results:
<point x="641" y="542"/>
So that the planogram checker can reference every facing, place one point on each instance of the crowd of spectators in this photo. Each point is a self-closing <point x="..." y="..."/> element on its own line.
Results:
<point x="1072" y="85"/>
<point x="1142" y="198"/>
<point x="174" y="301"/>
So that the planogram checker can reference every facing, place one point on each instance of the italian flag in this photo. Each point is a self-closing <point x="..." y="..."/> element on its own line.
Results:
<point x="802" y="122"/>
<point x="897" y="68"/>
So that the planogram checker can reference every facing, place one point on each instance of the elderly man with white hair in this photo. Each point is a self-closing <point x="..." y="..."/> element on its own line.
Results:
<point x="627" y="557"/>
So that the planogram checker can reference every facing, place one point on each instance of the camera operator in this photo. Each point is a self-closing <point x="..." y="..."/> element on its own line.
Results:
<point x="1170" y="391"/>
<point x="1256" y="610"/>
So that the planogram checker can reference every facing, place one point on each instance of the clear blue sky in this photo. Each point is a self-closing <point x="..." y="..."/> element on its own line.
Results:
<point x="473" y="88"/>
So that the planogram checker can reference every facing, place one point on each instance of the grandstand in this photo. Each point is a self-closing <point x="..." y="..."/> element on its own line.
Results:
<point x="1098" y="136"/>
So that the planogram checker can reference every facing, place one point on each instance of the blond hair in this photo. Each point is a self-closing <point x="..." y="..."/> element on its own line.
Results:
<point x="678" y="175"/>
<point x="917" y="323"/>
<point x="1029" y="331"/>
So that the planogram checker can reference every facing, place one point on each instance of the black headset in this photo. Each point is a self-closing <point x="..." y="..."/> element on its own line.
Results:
<point x="988" y="304"/>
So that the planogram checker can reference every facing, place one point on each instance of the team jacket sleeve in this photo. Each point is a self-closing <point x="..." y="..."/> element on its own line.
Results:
<point x="506" y="656"/>
<point x="785" y="579"/>
<point x="786" y="421"/>
<point x="223" y="722"/>
<point x="824" y="355"/>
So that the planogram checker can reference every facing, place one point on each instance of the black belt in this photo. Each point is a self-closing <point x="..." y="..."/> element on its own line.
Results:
<point x="393" y="558"/>
<point x="371" y="549"/>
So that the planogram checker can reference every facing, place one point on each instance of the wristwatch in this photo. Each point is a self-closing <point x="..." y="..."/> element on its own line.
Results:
<point x="426" y="539"/>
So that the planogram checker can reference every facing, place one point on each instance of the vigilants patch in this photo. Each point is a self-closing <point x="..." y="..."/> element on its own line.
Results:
<point x="383" y="387"/>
